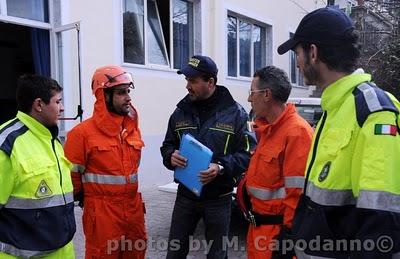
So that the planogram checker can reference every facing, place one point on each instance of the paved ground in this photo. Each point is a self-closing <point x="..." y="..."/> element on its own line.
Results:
<point x="159" y="207"/>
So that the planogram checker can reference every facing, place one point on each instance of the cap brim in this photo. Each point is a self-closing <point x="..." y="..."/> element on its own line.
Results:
<point x="288" y="45"/>
<point x="189" y="71"/>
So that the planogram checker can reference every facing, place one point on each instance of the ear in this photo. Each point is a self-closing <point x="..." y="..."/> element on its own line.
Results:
<point x="268" y="94"/>
<point x="211" y="81"/>
<point x="313" y="53"/>
<point x="37" y="105"/>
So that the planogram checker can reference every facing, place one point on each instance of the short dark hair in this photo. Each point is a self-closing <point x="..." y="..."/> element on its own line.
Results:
<point x="207" y="77"/>
<point x="342" y="58"/>
<point x="30" y="87"/>
<point x="275" y="79"/>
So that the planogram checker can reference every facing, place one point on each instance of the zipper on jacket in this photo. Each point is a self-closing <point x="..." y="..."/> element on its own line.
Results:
<point x="314" y="150"/>
<point x="59" y="168"/>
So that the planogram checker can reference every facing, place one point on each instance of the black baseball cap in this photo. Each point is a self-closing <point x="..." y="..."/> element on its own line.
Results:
<point x="328" y="25"/>
<point x="199" y="65"/>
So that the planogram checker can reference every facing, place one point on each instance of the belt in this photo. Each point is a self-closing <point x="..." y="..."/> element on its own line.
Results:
<point x="258" y="219"/>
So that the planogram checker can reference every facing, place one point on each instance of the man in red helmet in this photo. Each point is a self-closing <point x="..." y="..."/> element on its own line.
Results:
<point x="106" y="150"/>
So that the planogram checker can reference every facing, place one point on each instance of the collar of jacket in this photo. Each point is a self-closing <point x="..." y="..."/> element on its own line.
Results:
<point x="36" y="127"/>
<point x="225" y="101"/>
<point x="263" y="126"/>
<point x="108" y="124"/>
<point x="333" y="96"/>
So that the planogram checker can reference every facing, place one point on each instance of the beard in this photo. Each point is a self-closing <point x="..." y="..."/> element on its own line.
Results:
<point x="311" y="74"/>
<point x="116" y="110"/>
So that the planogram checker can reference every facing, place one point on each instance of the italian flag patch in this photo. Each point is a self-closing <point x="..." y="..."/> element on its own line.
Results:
<point x="385" y="129"/>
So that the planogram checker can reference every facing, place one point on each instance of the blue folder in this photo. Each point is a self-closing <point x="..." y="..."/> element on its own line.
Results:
<point x="198" y="159"/>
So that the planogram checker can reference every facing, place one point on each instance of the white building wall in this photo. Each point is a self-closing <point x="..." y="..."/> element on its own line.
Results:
<point x="158" y="90"/>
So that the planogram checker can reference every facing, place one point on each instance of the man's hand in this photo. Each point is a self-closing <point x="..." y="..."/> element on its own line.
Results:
<point x="209" y="174"/>
<point x="177" y="160"/>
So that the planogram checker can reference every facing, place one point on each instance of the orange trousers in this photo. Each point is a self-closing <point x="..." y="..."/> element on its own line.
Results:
<point x="259" y="245"/>
<point x="114" y="227"/>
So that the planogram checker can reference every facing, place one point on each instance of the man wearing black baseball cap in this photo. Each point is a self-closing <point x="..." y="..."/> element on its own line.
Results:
<point x="210" y="114"/>
<point x="352" y="190"/>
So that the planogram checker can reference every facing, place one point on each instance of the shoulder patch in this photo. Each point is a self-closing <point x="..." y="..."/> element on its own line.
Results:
<point x="9" y="134"/>
<point x="385" y="129"/>
<point x="369" y="99"/>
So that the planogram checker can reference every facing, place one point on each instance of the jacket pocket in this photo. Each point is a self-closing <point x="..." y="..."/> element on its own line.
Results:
<point x="135" y="150"/>
<point x="137" y="144"/>
<point x="36" y="165"/>
<point x="39" y="171"/>
<point x="268" y="169"/>
<point x="105" y="156"/>
<point x="334" y="140"/>
<point x="222" y="140"/>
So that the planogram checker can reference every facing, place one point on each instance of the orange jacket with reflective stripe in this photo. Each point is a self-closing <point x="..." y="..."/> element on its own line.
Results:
<point x="105" y="151"/>
<point x="275" y="177"/>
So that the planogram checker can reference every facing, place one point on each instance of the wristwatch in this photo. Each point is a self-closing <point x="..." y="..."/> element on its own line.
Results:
<point x="221" y="169"/>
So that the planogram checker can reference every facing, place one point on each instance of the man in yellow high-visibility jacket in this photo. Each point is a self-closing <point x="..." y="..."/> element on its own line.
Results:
<point x="36" y="200"/>
<point x="351" y="204"/>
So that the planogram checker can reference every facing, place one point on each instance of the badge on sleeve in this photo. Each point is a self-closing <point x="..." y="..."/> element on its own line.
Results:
<point x="43" y="190"/>
<point x="324" y="172"/>
<point x="385" y="129"/>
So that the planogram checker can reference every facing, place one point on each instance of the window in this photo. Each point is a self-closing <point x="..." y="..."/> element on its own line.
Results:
<point x="30" y="9"/>
<point x="296" y="77"/>
<point x="159" y="32"/>
<point x="247" y="45"/>
<point x="183" y="32"/>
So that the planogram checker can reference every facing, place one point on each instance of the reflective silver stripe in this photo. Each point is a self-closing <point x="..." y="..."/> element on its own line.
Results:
<point x="78" y="168"/>
<point x="5" y="133"/>
<point x="133" y="178"/>
<point x="264" y="194"/>
<point x="12" y="250"/>
<point x="294" y="181"/>
<point x="370" y="97"/>
<point x="23" y="203"/>
<point x="379" y="200"/>
<point x="330" y="197"/>
<point x="108" y="179"/>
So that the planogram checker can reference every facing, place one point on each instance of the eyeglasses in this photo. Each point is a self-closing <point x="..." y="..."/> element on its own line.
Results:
<point x="122" y="79"/>
<point x="256" y="91"/>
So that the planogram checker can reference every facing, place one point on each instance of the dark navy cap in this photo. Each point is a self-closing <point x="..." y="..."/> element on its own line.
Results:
<point x="198" y="65"/>
<point x="328" y="25"/>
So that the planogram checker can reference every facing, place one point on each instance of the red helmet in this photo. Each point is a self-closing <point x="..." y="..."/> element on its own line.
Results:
<point x="110" y="76"/>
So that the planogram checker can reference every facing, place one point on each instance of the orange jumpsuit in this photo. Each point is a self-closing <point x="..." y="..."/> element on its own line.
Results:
<point x="106" y="151"/>
<point x="275" y="176"/>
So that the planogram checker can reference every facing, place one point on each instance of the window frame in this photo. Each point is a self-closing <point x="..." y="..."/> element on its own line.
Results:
<point x="195" y="35"/>
<point x="299" y="77"/>
<point x="5" y="17"/>
<point x="266" y="39"/>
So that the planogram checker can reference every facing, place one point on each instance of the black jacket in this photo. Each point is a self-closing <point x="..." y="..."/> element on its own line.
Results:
<point x="223" y="129"/>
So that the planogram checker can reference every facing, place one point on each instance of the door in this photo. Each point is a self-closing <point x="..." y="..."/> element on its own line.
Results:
<point x="67" y="64"/>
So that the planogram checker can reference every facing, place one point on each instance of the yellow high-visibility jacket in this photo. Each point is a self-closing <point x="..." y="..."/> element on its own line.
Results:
<point x="353" y="188"/>
<point x="36" y="200"/>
